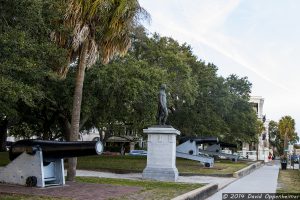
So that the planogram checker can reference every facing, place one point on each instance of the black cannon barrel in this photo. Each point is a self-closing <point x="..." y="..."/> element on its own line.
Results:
<point x="206" y="140"/>
<point x="224" y="144"/>
<point x="56" y="149"/>
<point x="200" y="140"/>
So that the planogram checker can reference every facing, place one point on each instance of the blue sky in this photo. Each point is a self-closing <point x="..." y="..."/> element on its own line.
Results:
<point x="253" y="38"/>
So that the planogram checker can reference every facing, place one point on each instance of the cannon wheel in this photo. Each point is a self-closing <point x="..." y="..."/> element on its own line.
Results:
<point x="31" y="181"/>
<point x="207" y="165"/>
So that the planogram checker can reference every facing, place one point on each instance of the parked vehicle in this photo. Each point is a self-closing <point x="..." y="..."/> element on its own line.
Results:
<point x="241" y="157"/>
<point x="8" y="145"/>
<point x="295" y="158"/>
<point x="138" y="153"/>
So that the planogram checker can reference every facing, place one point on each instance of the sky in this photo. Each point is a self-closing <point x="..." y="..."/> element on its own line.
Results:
<point x="253" y="38"/>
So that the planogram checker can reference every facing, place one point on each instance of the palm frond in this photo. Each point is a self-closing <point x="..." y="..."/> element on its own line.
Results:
<point x="80" y="34"/>
<point x="93" y="54"/>
<point x="107" y="24"/>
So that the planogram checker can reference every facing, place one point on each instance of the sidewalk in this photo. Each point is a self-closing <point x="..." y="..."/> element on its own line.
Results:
<point x="221" y="181"/>
<point x="262" y="180"/>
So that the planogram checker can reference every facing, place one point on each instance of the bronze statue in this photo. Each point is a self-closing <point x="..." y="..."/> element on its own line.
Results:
<point x="162" y="113"/>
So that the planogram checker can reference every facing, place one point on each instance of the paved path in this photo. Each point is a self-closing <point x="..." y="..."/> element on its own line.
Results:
<point x="221" y="181"/>
<point x="262" y="180"/>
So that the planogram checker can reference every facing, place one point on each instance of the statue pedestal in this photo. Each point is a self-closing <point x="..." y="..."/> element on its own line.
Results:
<point x="161" y="153"/>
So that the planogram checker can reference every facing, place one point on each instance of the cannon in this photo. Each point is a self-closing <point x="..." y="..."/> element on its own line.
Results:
<point x="216" y="150"/>
<point x="190" y="149"/>
<point x="40" y="162"/>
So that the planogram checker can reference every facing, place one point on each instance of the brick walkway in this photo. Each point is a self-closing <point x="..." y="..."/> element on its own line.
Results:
<point x="78" y="191"/>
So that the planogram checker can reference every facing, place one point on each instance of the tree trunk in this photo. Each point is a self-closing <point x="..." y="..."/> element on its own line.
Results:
<point x="285" y="143"/>
<point x="72" y="162"/>
<point x="3" y="134"/>
<point x="257" y="149"/>
<point x="66" y="127"/>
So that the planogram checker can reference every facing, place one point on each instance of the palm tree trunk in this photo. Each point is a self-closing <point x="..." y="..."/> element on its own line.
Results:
<point x="72" y="162"/>
<point x="257" y="150"/>
<point x="285" y="144"/>
<point x="66" y="127"/>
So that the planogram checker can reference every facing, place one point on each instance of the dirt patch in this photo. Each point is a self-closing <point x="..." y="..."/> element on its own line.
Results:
<point x="73" y="190"/>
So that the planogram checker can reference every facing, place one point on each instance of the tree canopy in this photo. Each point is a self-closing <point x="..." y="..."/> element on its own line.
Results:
<point x="286" y="127"/>
<point x="281" y="133"/>
<point x="122" y="93"/>
<point x="201" y="103"/>
<point x="27" y="60"/>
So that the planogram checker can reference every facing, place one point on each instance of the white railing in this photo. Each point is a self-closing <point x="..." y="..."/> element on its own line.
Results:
<point x="262" y="155"/>
<point x="251" y="155"/>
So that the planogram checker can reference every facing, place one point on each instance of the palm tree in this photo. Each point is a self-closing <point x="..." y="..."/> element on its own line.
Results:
<point x="99" y="29"/>
<point x="286" y="128"/>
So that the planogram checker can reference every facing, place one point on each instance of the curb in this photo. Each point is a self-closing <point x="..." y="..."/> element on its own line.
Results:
<point x="200" y="193"/>
<point x="247" y="170"/>
<point x="213" y="175"/>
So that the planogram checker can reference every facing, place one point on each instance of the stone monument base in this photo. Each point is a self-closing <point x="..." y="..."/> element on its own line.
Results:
<point x="161" y="174"/>
<point x="161" y="153"/>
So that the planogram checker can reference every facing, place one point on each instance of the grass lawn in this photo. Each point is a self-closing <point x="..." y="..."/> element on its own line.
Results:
<point x="125" y="164"/>
<point x="4" y="158"/>
<point x="289" y="181"/>
<point x="220" y="167"/>
<point x="150" y="189"/>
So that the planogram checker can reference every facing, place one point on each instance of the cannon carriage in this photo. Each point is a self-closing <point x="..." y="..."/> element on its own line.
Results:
<point x="190" y="149"/>
<point x="40" y="163"/>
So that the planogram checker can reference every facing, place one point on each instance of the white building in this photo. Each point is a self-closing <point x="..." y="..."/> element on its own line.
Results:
<point x="250" y="150"/>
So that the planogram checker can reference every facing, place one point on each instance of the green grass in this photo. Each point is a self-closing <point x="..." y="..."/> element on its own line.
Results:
<point x="150" y="189"/>
<point x="125" y="164"/>
<point x="113" y="163"/>
<point x="220" y="167"/>
<point x="4" y="158"/>
<point x="289" y="181"/>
